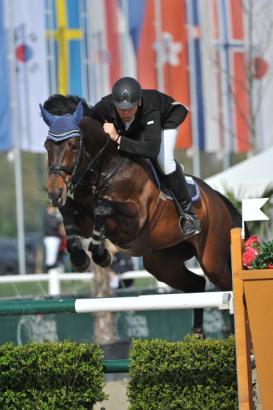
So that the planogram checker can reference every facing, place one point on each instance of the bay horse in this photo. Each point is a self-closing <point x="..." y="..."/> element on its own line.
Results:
<point x="103" y="193"/>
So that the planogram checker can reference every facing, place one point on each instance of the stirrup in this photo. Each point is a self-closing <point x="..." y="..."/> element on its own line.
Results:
<point x="189" y="226"/>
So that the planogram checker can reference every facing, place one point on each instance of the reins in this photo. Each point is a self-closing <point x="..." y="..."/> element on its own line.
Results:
<point x="89" y="166"/>
<point x="77" y="178"/>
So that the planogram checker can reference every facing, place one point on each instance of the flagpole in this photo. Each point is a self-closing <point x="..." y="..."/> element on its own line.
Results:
<point x="123" y="32"/>
<point x="16" y="141"/>
<point x="158" y="36"/>
<point x="51" y="52"/>
<point x="195" y="148"/>
<point x="83" y="50"/>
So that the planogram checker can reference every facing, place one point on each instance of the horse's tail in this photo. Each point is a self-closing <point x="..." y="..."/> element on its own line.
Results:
<point x="235" y="214"/>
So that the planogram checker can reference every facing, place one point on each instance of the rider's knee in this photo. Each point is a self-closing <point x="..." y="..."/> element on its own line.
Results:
<point x="167" y="164"/>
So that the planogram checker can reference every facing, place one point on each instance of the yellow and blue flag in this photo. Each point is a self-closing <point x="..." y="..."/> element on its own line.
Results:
<point x="67" y="35"/>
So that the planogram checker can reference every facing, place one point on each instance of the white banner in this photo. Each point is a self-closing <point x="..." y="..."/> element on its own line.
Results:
<point x="32" y="73"/>
<point x="251" y="209"/>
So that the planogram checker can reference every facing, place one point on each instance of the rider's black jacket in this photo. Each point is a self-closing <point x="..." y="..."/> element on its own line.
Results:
<point x="157" y="111"/>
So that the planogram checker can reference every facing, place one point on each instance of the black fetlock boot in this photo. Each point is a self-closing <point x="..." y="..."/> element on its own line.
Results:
<point x="189" y="223"/>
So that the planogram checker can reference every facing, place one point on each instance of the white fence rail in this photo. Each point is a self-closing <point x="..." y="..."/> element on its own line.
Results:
<point x="54" y="278"/>
<point x="220" y="300"/>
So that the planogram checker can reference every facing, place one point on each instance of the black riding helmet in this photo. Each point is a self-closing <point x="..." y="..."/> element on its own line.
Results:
<point x="126" y="93"/>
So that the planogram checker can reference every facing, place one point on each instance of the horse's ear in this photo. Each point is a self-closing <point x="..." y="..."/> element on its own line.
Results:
<point x="78" y="114"/>
<point x="47" y="117"/>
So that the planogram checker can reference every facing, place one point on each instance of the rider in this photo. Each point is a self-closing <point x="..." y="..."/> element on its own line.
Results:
<point x="145" y="123"/>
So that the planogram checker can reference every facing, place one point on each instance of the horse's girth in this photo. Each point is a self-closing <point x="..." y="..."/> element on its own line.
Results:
<point x="157" y="210"/>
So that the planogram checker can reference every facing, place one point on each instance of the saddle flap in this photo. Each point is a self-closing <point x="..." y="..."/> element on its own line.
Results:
<point x="192" y="185"/>
<point x="193" y="188"/>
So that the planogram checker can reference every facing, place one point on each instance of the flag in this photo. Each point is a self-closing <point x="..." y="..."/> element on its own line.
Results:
<point x="210" y="137"/>
<point x="229" y="40"/>
<point x="110" y="47"/>
<point x="251" y="209"/>
<point x="76" y="62"/>
<point x="195" y="37"/>
<point x="170" y="51"/>
<point x="262" y="52"/>
<point x="122" y="41"/>
<point x="5" y="119"/>
<point x="31" y="71"/>
<point x="65" y="36"/>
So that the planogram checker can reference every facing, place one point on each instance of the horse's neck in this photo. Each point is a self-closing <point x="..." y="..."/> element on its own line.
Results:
<point x="111" y="161"/>
<point x="94" y="143"/>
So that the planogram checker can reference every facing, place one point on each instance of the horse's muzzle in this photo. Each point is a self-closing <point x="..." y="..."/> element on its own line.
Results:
<point x="57" y="190"/>
<point x="56" y="199"/>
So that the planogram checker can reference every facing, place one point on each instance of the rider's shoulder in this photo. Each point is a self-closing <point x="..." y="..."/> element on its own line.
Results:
<point x="148" y="93"/>
<point x="156" y="96"/>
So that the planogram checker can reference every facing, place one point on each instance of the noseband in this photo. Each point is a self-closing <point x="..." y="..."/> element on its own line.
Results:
<point x="57" y="169"/>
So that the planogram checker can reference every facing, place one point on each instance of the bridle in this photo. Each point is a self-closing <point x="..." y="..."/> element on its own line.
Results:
<point x="68" y="170"/>
<point x="90" y="165"/>
<point x="77" y="178"/>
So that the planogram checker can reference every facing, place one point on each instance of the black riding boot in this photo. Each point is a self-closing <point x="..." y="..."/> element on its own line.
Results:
<point x="189" y="223"/>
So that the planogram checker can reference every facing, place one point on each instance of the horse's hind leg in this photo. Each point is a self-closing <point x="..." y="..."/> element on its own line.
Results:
<point x="168" y="266"/>
<point x="79" y="259"/>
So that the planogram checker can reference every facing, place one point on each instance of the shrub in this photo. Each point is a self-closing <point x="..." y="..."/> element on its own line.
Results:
<point x="190" y="375"/>
<point x="51" y="376"/>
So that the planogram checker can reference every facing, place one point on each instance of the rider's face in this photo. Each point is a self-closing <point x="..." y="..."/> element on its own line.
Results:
<point x="127" y="115"/>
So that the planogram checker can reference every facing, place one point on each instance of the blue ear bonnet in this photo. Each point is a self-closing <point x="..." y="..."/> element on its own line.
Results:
<point x="65" y="126"/>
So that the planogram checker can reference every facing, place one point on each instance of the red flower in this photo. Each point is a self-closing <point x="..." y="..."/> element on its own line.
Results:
<point x="249" y="255"/>
<point x="252" y="240"/>
<point x="269" y="266"/>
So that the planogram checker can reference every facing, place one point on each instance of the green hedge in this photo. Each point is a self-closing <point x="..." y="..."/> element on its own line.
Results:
<point x="51" y="376"/>
<point x="190" y="375"/>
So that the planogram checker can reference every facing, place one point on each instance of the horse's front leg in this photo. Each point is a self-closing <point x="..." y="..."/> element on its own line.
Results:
<point x="79" y="259"/>
<point x="100" y="254"/>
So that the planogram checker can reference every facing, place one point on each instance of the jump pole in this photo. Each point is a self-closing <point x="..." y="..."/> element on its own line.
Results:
<point x="116" y="366"/>
<point x="220" y="300"/>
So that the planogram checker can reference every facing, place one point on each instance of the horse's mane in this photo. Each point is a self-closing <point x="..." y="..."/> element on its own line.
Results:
<point x="58" y="104"/>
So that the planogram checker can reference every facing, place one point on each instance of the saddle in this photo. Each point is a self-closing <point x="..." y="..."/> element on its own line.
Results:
<point x="162" y="186"/>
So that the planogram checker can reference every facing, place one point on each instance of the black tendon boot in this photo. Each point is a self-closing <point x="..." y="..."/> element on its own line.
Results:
<point x="189" y="223"/>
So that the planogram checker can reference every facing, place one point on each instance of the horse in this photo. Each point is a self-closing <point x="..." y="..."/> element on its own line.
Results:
<point x="103" y="193"/>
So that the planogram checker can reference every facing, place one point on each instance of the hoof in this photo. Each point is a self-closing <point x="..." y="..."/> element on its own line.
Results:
<point x="104" y="260"/>
<point x="80" y="260"/>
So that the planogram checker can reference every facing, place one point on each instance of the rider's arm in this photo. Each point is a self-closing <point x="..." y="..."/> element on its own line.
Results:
<point x="149" y="144"/>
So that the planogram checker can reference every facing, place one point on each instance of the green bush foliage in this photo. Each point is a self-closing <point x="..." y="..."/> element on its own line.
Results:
<point x="51" y="376"/>
<point x="190" y="375"/>
<point x="265" y="258"/>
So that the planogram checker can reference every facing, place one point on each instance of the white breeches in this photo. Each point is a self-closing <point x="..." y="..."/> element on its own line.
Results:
<point x="165" y="158"/>
<point x="52" y="245"/>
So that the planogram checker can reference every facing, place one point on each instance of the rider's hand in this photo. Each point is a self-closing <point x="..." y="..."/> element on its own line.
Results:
<point x="110" y="129"/>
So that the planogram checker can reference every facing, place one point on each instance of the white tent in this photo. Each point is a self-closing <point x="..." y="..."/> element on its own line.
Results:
<point x="248" y="179"/>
